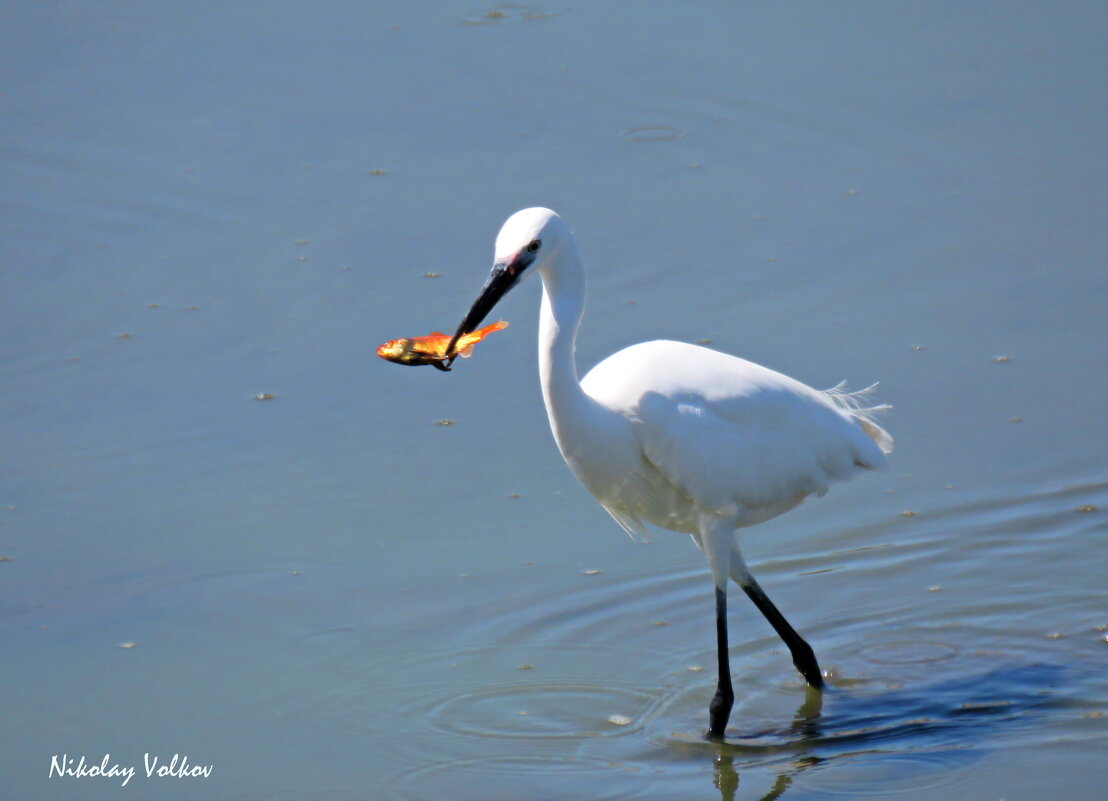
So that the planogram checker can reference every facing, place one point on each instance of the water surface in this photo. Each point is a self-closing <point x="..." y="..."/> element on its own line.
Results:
<point x="330" y="595"/>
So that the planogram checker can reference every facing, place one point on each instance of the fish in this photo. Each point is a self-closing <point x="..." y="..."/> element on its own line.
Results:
<point x="431" y="349"/>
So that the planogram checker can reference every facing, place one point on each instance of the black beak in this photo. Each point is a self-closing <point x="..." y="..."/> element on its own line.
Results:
<point x="504" y="276"/>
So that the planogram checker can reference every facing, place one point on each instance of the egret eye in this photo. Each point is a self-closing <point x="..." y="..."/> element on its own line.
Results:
<point x="534" y="246"/>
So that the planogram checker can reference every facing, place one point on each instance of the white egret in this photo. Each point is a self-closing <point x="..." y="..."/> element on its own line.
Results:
<point x="680" y="436"/>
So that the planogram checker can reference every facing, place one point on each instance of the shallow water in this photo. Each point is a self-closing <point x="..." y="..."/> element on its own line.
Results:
<point x="329" y="595"/>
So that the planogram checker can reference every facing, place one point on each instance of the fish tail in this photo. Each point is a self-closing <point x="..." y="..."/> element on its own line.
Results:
<point x="466" y="343"/>
<point x="499" y="325"/>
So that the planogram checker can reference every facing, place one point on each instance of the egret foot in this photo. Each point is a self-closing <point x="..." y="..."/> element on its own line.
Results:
<point x="719" y="710"/>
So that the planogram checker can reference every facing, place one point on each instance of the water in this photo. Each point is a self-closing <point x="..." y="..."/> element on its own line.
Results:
<point x="328" y="595"/>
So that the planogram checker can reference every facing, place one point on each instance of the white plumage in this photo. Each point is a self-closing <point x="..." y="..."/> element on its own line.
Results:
<point x="722" y="435"/>
<point x="680" y="436"/>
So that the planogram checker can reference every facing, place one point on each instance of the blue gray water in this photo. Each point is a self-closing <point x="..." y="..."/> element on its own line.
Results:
<point x="329" y="595"/>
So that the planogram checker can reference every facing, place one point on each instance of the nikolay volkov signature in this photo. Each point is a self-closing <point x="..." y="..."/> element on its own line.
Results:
<point x="79" y="768"/>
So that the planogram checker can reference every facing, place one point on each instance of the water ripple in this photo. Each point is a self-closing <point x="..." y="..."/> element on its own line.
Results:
<point x="538" y="776"/>
<point x="654" y="133"/>
<point x="555" y="710"/>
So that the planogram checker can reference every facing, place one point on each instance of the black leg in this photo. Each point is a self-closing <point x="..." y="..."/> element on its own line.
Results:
<point x="720" y="708"/>
<point x="803" y="656"/>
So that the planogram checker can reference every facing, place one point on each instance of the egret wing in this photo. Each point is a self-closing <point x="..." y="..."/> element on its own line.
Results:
<point x="735" y="437"/>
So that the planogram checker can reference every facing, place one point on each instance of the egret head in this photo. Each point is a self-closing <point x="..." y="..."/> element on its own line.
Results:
<point x="528" y="241"/>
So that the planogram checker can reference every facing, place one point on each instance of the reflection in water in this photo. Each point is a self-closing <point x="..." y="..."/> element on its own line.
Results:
<point x="806" y="720"/>
<point x="804" y="728"/>
<point x="726" y="778"/>
<point x="920" y="731"/>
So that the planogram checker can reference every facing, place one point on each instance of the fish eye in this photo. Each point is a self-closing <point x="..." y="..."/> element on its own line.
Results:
<point x="534" y="246"/>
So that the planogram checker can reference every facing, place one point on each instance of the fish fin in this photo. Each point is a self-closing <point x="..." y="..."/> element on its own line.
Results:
<point x="467" y="351"/>
<point x="436" y="334"/>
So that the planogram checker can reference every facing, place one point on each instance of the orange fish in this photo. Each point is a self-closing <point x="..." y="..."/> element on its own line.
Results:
<point x="431" y="349"/>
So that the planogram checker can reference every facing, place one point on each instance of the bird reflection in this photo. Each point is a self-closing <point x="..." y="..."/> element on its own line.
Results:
<point x="726" y="778"/>
<point x="804" y="729"/>
<point x="936" y="720"/>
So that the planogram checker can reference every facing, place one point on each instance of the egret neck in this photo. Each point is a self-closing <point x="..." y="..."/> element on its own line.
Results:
<point x="563" y="304"/>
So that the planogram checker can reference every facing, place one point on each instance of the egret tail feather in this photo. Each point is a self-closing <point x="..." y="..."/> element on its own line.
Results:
<point x="854" y="404"/>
